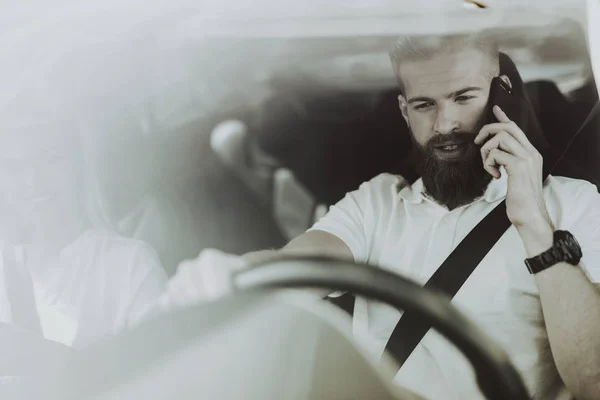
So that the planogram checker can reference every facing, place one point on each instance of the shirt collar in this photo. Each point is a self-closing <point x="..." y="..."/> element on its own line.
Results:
<point x="495" y="191"/>
<point x="413" y="193"/>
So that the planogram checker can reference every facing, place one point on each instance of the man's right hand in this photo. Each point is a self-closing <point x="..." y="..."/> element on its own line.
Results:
<point x="209" y="276"/>
<point x="205" y="278"/>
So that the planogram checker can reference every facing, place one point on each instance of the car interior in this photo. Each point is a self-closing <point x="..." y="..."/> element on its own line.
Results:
<point x="313" y="93"/>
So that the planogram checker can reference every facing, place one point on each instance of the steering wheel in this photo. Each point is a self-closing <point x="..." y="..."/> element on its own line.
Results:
<point x="496" y="376"/>
<point x="238" y="344"/>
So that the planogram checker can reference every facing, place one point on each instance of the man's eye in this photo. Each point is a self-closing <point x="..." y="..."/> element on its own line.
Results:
<point x="462" y="99"/>
<point x="423" y="106"/>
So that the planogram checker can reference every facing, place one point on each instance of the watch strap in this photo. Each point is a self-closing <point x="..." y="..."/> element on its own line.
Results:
<point x="564" y="249"/>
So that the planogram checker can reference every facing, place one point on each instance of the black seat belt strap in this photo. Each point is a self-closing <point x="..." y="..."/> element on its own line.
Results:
<point x="449" y="278"/>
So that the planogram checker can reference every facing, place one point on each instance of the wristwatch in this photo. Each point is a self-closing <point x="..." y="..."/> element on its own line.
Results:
<point x="564" y="249"/>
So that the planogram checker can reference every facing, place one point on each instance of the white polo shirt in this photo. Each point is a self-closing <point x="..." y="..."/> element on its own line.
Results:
<point x="392" y="224"/>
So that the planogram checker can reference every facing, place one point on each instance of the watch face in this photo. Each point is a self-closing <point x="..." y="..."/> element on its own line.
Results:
<point x="569" y="246"/>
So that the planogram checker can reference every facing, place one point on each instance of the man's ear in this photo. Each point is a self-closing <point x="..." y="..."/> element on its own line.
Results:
<point x="403" y="108"/>
<point x="506" y="80"/>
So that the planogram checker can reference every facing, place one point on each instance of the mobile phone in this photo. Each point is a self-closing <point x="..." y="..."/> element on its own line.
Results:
<point x="503" y="96"/>
<point x="517" y="108"/>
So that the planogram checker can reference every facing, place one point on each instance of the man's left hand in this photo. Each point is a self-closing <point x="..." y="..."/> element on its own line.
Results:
<point x="509" y="147"/>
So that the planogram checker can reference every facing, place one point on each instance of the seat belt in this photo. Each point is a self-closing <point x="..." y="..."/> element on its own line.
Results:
<point x="458" y="266"/>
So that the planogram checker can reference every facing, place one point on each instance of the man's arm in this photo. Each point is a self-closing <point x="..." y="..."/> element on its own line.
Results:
<point x="339" y="234"/>
<point x="311" y="243"/>
<point x="571" y="307"/>
<point x="208" y="277"/>
<point x="570" y="302"/>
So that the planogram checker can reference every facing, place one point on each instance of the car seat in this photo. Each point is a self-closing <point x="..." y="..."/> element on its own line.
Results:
<point x="333" y="142"/>
<point x="560" y="118"/>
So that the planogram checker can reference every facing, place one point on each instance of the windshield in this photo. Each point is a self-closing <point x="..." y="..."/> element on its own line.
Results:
<point x="147" y="132"/>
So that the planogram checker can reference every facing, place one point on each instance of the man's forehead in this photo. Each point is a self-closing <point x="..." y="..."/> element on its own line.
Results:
<point x="444" y="74"/>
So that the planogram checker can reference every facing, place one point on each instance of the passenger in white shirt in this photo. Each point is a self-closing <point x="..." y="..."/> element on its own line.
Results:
<point x="547" y="322"/>
<point x="87" y="280"/>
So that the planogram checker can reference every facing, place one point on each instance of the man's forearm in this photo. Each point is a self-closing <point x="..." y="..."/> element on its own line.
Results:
<point x="296" y="248"/>
<point x="571" y="307"/>
<point x="261" y="257"/>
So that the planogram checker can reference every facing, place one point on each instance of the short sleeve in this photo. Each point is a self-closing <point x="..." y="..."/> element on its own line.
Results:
<point x="345" y="221"/>
<point x="349" y="219"/>
<point x="148" y="282"/>
<point x="585" y="226"/>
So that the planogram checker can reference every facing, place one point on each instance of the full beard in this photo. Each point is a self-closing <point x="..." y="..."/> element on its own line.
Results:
<point x="452" y="183"/>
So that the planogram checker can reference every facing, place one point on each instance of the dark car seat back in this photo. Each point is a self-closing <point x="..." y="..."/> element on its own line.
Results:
<point x="582" y="157"/>
<point x="333" y="151"/>
<point x="560" y="119"/>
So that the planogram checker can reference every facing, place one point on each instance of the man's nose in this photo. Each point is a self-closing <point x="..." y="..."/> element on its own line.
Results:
<point x="445" y="121"/>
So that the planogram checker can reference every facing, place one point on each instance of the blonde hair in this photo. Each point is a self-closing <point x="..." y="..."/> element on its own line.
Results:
<point x="418" y="48"/>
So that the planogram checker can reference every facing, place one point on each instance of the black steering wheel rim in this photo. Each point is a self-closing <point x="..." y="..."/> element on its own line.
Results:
<point x="496" y="376"/>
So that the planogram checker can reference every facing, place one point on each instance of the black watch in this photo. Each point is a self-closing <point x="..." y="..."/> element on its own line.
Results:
<point x="564" y="249"/>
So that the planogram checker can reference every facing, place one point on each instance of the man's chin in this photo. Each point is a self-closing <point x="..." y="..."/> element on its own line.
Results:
<point x="453" y="176"/>
<point x="455" y="182"/>
<point x="455" y="192"/>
